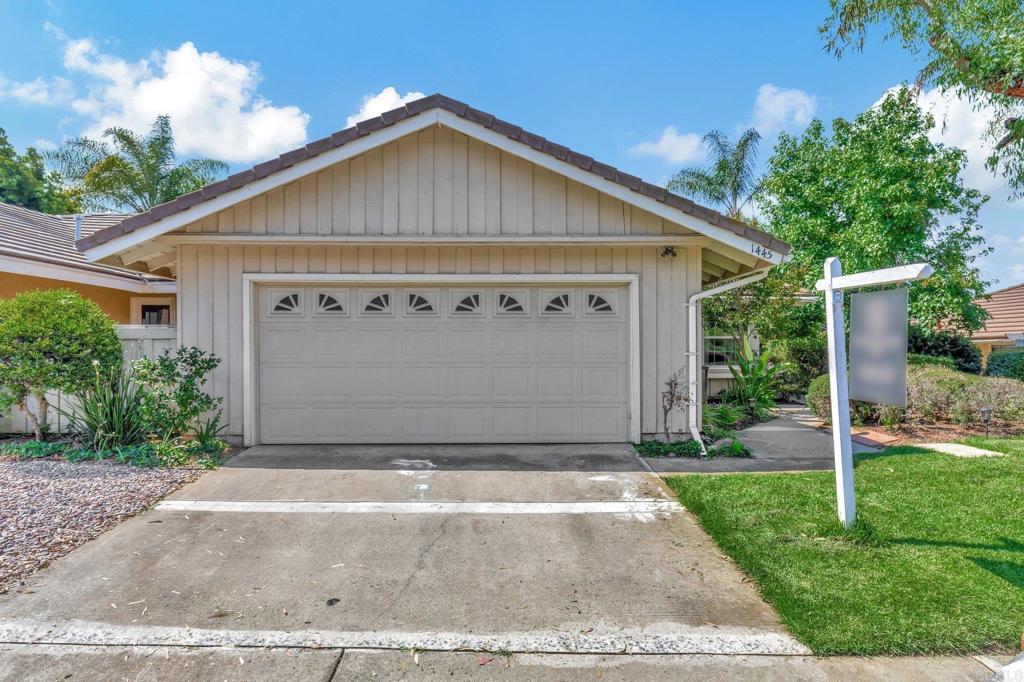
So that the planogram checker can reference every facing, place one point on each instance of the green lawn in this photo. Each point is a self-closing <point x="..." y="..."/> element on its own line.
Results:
<point x="936" y="563"/>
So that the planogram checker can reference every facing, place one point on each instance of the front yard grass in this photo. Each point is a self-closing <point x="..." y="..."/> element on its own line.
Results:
<point x="935" y="563"/>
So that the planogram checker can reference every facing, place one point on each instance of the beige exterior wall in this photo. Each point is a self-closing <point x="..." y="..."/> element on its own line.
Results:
<point x="114" y="302"/>
<point x="435" y="182"/>
<point x="210" y="297"/>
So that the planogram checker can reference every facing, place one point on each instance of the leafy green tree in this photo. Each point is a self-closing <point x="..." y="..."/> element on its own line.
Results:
<point x="52" y="340"/>
<point x="127" y="171"/>
<point x="973" y="48"/>
<point x="24" y="181"/>
<point x="879" y="193"/>
<point x="728" y="178"/>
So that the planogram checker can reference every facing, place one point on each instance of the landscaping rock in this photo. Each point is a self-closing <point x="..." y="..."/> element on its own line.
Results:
<point x="49" y="508"/>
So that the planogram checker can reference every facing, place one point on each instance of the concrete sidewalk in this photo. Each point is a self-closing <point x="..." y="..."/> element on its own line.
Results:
<point x="787" y="443"/>
<point x="28" y="663"/>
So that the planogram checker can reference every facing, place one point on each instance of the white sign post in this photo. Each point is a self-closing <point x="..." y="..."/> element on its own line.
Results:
<point x="833" y="284"/>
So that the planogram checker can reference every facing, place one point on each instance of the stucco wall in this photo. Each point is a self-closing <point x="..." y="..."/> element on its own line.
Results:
<point x="114" y="302"/>
<point x="210" y="297"/>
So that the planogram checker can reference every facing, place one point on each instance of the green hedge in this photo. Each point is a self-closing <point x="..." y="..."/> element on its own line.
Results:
<point x="1006" y="363"/>
<point x="936" y="394"/>
<point x="965" y="354"/>
<point x="940" y="360"/>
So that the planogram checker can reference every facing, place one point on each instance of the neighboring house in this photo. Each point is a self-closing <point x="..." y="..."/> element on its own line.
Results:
<point x="37" y="251"/>
<point x="1005" y="324"/>
<point x="436" y="274"/>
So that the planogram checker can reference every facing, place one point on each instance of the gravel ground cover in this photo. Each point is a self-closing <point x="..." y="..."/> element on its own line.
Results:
<point x="48" y="508"/>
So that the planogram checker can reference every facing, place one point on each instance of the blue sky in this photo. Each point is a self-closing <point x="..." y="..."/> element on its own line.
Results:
<point x="632" y="87"/>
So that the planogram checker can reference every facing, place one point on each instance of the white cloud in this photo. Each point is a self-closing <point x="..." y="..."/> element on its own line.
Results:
<point x="385" y="100"/>
<point x="673" y="146"/>
<point x="780" y="108"/>
<point x="774" y="109"/>
<point x="1017" y="271"/>
<point x="39" y="91"/>
<point x="211" y="99"/>
<point x="44" y="145"/>
<point x="958" y="123"/>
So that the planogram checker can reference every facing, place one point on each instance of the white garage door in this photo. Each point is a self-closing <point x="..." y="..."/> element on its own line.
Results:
<point x="468" y="364"/>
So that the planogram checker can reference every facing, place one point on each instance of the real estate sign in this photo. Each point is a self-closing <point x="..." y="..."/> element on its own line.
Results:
<point x="878" y="347"/>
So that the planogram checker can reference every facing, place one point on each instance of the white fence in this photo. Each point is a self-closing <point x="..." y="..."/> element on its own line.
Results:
<point x="136" y="341"/>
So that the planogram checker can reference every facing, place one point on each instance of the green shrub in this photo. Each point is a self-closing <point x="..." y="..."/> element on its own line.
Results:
<point x="734" y="448"/>
<point x="965" y="354"/>
<point x="174" y="400"/>
<point x="1006" y="363"/>
<point x="724" y="416"/>
<point x="803" y="359"/>
<point x="31" y="449"/>
<point x="819" y="400"/>
<point x="936" y="394"/>
<point x="679" y="448"/>
<point x="52" y="341"/>
<point x="940" y="360"/>
<point x="109" y="414"/>
<point x="754" y="378"/>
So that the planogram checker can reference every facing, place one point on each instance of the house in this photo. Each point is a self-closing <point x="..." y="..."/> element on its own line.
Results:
<point x="436" y="274"/>
<point x="37" y="251"/>
<point x="1005" y="324"/>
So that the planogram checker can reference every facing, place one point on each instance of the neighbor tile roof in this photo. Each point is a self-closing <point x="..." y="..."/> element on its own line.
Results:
<point x="32" y="235"/>
<point x="1006" y="313"/>
<point x="413" y="108"/>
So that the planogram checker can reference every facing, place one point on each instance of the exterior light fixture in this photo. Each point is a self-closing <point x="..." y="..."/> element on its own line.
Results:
<point x="669" y="251"/>
<point x="986" y="417"/>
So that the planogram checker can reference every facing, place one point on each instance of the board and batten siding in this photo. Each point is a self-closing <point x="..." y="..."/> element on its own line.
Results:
<point x="435" y="182"/>
<point x="210" y="297"/>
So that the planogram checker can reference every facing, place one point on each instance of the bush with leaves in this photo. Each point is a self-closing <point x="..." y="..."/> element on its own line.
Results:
<point x="944" y="344"/>
<point x="755" y="381"/>
<point x="1007" y="363"/>
<point x="52" y="340"/>
<point x="173" y="400"/>
<point x="109" y="413"/>
<point x="939" y="360"/>
<point x="936" y="394"/>
<point x="803" y="359"/>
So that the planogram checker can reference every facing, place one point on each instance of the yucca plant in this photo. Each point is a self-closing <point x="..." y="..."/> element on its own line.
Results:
<point x="755" y="378"/>
<point x="109" y="413"/>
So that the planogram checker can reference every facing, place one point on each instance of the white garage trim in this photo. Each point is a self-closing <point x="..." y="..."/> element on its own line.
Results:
<point x="250" y="433"/>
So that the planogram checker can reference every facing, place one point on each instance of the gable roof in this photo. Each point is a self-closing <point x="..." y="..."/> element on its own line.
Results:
<point x="30" y="235"/>
<point x="390" y="118"/>
<point x="1005" y="308"/>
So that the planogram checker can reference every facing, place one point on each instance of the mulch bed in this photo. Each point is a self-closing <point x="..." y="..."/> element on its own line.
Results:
<point x="909" y="434"/>
<point x="50" y="507"/>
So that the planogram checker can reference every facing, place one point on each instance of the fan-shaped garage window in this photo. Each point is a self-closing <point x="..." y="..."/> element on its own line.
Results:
<point x="327" y="304"/>
<point x="466" y="304"/>
<point x="598" y="304"/>
<point x="557" y="304"/>
<point x="420" y="303"/>
<point x="287" y="303"/>
<point x="511" y="304"/>
<point x="377" y="304"/>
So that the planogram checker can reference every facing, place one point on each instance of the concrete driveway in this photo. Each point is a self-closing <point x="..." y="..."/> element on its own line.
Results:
<point x="349" y="563"/>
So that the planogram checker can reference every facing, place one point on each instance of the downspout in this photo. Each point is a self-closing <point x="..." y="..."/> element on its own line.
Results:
<point x="693" y="352"/>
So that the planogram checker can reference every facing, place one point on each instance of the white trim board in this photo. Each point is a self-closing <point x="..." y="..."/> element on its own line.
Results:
<point x="405" y="127"/>
<point x="35" y="268"/>
<point x="250" y="421"/>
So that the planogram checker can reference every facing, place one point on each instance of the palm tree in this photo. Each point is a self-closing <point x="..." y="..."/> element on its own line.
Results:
<point x="131" y="172"/>
<point x="727" y="180"/>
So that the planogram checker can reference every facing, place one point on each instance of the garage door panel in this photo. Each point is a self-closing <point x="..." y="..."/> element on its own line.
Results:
<point x="469" y="382"/>
<point x="469" y="423"/>
<point x="556" y="382"/>
<point x="485" y="375"/>
<point x="423" y="382"/>
<point x="514" y="382"/>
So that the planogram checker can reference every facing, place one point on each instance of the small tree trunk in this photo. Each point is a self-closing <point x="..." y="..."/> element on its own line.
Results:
<point x="39" y="420"/>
